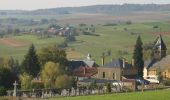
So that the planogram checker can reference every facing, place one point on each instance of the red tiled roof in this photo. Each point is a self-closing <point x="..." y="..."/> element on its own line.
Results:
<point x="85" y="71"/>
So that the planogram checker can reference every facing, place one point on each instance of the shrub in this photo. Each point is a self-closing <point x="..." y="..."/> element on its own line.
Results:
<point x="166" y="82"/>
<point x="108" y="88"/>
<point x="2" y="91"/>
<point x="37" y="85"/>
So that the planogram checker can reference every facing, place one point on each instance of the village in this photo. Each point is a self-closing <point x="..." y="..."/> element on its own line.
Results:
<point x="85" y="50"/>
<point x="116" y="76"/>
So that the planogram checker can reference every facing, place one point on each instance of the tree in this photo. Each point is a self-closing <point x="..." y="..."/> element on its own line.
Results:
<point x="64" y="81"/>
<point x="8" y="72"/>
<point x="54" y="54"/>
<point x="138" y="57"/>
<point x="25" y="81"/>
<point x="30" y="63"/>
<point x="49" y="74"/>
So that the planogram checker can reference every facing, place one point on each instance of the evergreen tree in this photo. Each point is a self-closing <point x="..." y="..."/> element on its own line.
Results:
<point x="30" y="63"/>
<point x="138" y="57"/>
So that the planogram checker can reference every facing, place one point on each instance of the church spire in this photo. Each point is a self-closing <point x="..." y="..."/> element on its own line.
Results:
<point x="159" y="48"/>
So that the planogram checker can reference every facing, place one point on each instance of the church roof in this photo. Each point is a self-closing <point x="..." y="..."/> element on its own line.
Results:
<point x="159" y="43"/>
<point x="163" y="64"/>
<point x="149" y="63"/>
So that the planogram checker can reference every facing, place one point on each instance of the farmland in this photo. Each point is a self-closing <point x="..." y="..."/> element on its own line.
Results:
<point x="114" y="38"/>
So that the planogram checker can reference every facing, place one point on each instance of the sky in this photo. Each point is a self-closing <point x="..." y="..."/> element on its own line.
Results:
<point x="41" y="4"/>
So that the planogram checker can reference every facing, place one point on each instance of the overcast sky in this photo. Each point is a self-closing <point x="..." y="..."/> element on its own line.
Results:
<point x="40" y="4"/>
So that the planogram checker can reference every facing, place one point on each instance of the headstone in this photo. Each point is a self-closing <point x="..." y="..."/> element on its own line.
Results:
<point x="77" y="92"/>
<point x="73" y="92"/>
<point x="42" y="96"/>
<point x="64" y="92"/>
<point x="15" y="89"/>
<point x="24" y="95"/>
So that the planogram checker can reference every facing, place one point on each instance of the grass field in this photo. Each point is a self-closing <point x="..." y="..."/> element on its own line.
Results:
<point x="150" y="95"/>
<point x="113" y="38"/>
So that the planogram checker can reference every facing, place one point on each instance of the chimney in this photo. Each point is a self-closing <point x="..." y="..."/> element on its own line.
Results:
<point x="124" y="62"/>
<point x="84" y="70"/>
<point x="102" y="61"/>
<point x="132" y="62"/>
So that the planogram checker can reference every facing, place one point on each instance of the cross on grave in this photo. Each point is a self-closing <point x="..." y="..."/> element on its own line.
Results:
<point x="15" y="89"/>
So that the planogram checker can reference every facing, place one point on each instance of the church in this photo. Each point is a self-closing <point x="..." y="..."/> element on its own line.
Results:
<point x="159" y="66"/>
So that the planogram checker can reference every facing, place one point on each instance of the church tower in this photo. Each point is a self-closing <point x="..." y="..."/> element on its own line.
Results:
<point x="159" y="48"/>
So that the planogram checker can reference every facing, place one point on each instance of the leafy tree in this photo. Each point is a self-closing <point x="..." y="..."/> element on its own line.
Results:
<point x="49" y="74"/>
<point x="25" y="81"/>
<point x="138" y="57"/>
<point x="54" y="54"/>
<point x="30" y="63"/>
<point x="64" y="81"/>
<point x="7" y="78"/>
<point x="8" y="72"/>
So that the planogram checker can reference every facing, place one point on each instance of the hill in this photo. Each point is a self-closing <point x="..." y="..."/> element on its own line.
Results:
<point x="106" y="9"/>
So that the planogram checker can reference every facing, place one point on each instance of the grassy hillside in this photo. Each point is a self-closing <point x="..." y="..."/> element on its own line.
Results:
<point x="114" y="38"/>
<point x="151" y="95"/>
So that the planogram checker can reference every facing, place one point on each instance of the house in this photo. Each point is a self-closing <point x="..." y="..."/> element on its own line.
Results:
<point x="83" y="68"/>
<point x="160" y="63"/>
<point x="116" y="70"/>
<point x="63" y="31"/>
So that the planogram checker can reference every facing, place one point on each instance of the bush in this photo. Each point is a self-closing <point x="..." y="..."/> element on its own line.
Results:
<point x="110" y="24"/>
<point x="128" y="22"/>
<point x="156" y="26"/>
<point x="37" y="85"/>
<point x="108" y="88"/>
<point x="2" y="91"/>
<point x="166" y="82"/>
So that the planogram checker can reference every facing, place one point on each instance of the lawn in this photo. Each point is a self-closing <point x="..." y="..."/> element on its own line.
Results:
<point x="149" y="95"/>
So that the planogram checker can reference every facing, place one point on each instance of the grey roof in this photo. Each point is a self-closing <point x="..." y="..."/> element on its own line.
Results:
<point x="149" y="63"/>
<point x="74" y="64"/>
<point x="117" y="63"/>
<point x="163" y="64"/>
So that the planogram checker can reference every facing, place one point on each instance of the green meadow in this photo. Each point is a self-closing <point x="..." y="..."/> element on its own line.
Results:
<point x="121" y="37"/>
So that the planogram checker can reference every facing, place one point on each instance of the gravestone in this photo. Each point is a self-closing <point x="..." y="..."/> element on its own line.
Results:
<point x="64" y="92"/>
<point x="77" y="92"/>
<point x="42" y="96"/>
<point x="24" y="95"/>
<point x="73" y="92"/>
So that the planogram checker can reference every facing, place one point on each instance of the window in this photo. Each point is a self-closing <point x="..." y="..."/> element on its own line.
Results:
<point x="103" y="74"/>
<point x="114" y="76"/>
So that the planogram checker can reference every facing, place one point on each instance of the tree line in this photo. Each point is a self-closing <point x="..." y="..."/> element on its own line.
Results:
<point x="48" y="65"/>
